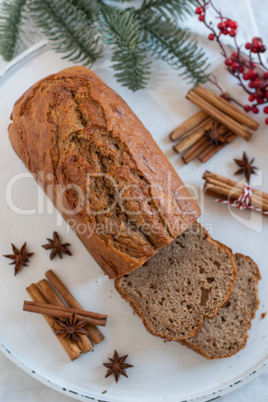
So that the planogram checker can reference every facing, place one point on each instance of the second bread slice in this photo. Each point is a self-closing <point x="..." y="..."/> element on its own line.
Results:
<point x="226" y="334"/>
<point x="186" y="282"/>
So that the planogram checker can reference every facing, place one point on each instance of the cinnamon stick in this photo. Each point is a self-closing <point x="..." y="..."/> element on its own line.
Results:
<point x="226" y="107"/>
<point x="188" y="125"/>
<point x="217" y="114"/>
<point x="61" y="312"/>
<point x="189" y="140"/>
<point x="51" y="297"/>
<point x="70" y="347"/>
<point x="94" y="333"/>
<point x="221" y="187"/>
<point x="195" y="150"/>
<point x="212" y="150"/>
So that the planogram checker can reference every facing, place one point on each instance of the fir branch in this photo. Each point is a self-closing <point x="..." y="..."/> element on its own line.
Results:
<point x="171" y="44"/>
<point x="122" y="31"/>
<point x="11" y="17"/>
<point x="90" y="7"/>
<point x="67" y="27"/>
<point x="167" y="8"/>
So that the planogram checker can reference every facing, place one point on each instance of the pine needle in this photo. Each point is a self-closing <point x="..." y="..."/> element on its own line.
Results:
<point x="167" y="8"/>
<point x="173" y="45"/>
<point x="122" y="31"/>
<point x="67" y="27"/>
<point x="11" y="17"/>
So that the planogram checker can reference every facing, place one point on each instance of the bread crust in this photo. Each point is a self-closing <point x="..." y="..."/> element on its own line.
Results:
<point x="55" y="124"/>
<point x="196" y="330"/>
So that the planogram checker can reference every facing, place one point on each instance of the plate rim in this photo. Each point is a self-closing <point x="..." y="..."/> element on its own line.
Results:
<point x="50" y="382"/>
<point x="59" y="387"/>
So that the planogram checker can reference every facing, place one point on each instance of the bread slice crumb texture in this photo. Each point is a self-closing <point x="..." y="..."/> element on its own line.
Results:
<point x="226" y="334"/>
<point x="188" y="280"/>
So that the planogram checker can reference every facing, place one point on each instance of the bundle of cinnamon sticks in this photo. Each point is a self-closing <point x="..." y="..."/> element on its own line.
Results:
<point x="208" y="131"/>
<point x="48" y="296"/>
<point x="227" y="189"/>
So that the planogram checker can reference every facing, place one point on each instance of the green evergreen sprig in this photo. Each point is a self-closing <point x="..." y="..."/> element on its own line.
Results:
<point x="11" y="17"/>
<point x="66" y="25"/>
<point x="135" y="34"/>
<point x="123" y="32"/>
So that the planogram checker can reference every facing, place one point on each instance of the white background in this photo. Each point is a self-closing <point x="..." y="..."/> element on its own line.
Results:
<point x="15" y="385"/>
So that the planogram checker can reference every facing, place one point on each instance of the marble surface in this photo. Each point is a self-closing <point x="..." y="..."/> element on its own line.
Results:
<point x="16" y="385"/>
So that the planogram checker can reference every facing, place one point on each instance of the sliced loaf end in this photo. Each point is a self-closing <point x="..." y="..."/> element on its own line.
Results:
<point x="188" y="280"/>
<point x="227" y="333"/>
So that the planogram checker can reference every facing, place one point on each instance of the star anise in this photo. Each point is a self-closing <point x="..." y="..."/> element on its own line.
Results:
<point x="56" y="247"/>
<point x="117" y="366"/>
<point x="245" y="166"/>
<point x="20" y="257"/>
<point x="71" y="327"/>
<point x="214" y="136"/>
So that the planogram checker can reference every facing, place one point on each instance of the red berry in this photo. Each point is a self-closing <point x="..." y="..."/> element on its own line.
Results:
<point x="251" y="84"/>
<point x="255" y="110"/>
<point x="232" y="32"/>
<point x="266" y="110"/>
<point x="235" y="65"/>
<point x="265" y="76"/>
<point x="257" y="82"/>
<point x="258" y="44"/>
<point x="228" y="62"/>
<point x="251" y="74"/>
<point x="260" y="101"/>
<point x="251" y="98"/>
<point x="233" y="24"/>
<point x="254" y="65"/>
<point x="201" y="17"/>
<point x="262" y="49"/>
<point x="241" y="69"/>
<point x="221" y="25"/>
<point x="255" y="38"/>
<point x="254" y="49"/>
<point x="235" y="55"/>
<point x="245" y="76"/>
<point x="248" y="45"/>
<point x="199" y="10"/>
<point x="247" y="108"/>
<point x="266" y="121"/>
<point x="225" y="31"/>
<point x="211" y="36"/>
<point x="227" y="23"/>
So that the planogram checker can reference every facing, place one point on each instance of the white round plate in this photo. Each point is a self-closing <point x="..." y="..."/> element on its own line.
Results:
<point x="163" y="371"/>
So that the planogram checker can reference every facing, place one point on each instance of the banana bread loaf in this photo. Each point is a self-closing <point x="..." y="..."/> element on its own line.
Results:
<point x="101" y="168"/>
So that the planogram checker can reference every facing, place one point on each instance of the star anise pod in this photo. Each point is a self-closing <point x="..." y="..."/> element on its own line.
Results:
<point x="56" y="247"/>
<point x="117" y="366"/>
<point x="71" y="327"/>
<point x="246" y="166"/>
<point x="20" y="257"/>
<point x="214" y="136"/>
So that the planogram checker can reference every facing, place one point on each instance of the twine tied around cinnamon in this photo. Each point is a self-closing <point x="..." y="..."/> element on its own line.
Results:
<point x="243" y="201"/>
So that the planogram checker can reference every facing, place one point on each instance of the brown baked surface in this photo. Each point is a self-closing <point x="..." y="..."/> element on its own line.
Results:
<point x="227" y="333"/>
<point x="197" y="280"/>
<point x="71" y="130"/>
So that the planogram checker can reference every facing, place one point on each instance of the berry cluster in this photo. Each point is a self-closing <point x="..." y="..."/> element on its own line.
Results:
<point x="251" y="74"/>
<point x="228" y="27"/>
<point x="256" y="46"/>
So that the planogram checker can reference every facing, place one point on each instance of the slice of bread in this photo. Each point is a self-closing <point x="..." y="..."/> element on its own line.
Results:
<point x="187" y="281"/>
<point x="226" y="334"/>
